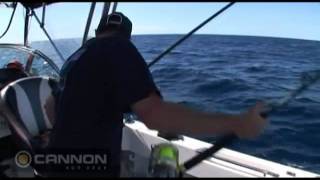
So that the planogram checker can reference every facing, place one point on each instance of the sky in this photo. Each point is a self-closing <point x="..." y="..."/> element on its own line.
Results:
<point x="67" y="20"/>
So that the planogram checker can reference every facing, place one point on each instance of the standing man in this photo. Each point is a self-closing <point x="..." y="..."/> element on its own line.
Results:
<point x="107" y="77"/>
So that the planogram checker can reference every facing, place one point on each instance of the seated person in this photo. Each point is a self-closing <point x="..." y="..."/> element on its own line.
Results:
<point x="13" y="71"/>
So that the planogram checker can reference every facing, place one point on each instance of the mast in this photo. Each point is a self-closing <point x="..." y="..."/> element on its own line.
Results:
<point x="85" y="36"/>
<point x="26" y="27"/>
<point x="105" y="10"/>
<point x="114" y="8"/>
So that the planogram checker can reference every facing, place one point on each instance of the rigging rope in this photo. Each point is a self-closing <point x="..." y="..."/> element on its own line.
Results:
<point x="189" y="34"/>
<point x="7" y="5"/>
<point x="48" y="36"/>
<point x="11" y="18"/>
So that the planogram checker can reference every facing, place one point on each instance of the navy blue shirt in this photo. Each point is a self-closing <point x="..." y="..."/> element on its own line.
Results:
<point x="100" y="81"/>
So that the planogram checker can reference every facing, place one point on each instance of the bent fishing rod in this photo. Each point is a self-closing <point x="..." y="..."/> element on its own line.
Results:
<point x="307" y="81"/>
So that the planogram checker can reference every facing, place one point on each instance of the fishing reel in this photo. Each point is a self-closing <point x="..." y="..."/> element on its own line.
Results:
<point x="164" y="161"/>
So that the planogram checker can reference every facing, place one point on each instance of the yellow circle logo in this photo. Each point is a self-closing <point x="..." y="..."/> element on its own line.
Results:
<point x="23" y="159"/>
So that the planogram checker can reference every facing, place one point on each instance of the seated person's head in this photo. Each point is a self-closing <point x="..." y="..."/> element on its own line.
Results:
<point x="114" y="24"/>
<point x="14" y="64"/>
<point x="14" y="70"/>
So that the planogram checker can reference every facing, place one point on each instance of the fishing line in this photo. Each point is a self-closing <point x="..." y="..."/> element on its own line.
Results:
<point x="307" y="79"/>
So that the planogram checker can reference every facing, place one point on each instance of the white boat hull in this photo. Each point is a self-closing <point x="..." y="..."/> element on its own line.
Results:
<point x="138" y="140"/>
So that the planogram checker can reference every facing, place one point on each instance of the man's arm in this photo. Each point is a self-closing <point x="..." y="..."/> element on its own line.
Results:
<point x="134" y="88"/>
<point x="175" y="118"/>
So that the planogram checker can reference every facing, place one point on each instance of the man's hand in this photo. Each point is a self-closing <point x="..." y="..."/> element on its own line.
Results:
<point x="251" y="123"/>
<point x="176" y="118"/>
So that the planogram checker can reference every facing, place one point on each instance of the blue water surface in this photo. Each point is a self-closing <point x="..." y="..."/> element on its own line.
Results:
<point x="229" y="74"/>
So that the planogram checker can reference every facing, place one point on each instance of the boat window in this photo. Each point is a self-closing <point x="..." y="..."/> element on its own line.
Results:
<point x="35" y="63"/>
<point x="9" y="54"/>
<point x="42" y="68"/>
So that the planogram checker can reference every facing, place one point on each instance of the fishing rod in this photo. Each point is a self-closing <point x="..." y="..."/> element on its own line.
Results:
<point x="307" y="79"/>
<point x="188" y="35"/>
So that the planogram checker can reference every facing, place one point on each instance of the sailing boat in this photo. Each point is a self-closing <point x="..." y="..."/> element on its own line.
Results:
<point x="138" y="140"/>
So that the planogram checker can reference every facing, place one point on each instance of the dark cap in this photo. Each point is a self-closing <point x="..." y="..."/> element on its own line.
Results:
<point x="116" y="21"/>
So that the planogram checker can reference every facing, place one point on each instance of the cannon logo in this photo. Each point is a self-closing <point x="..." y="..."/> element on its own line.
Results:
<point x="63" y="160"/>
<point x="23" y="159"/>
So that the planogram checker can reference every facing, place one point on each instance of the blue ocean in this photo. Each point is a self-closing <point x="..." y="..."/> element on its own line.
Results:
<point x="229" y="74"/>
